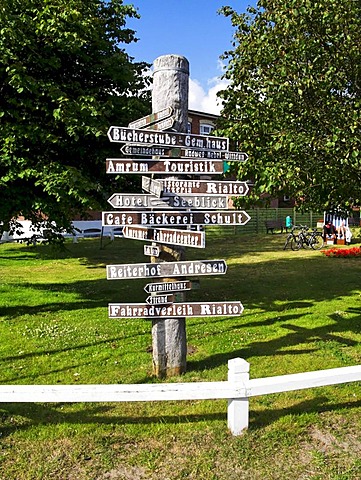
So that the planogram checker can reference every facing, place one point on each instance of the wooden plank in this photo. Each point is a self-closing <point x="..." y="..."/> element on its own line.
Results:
<point x="298" y="381"/>
<point x="119" y="393"/>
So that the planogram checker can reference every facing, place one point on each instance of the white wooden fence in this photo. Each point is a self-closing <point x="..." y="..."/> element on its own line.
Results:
<point x="237" y="389"/>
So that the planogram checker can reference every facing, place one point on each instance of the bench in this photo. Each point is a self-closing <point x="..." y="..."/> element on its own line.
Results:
<point x="272" y="225"/>
<point x="354" y="222"/>
<point x="92" y="232"/>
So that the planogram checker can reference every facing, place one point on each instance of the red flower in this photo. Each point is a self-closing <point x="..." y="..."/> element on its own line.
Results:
<point x="343" y="252"/>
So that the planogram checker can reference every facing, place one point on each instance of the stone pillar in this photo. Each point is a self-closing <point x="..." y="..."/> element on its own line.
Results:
<point x="170" y="89"/>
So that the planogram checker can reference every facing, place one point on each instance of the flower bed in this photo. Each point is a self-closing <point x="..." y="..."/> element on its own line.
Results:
<point x="343" y="252"/>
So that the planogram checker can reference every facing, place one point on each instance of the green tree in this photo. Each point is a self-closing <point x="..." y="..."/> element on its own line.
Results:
<point x="65" y="77"/>
<point x="293" y="103"/>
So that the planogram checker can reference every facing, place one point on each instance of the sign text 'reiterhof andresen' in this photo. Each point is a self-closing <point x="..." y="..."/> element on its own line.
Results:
<point x="166" y="269"/>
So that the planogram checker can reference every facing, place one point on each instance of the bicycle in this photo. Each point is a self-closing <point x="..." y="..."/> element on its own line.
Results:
<point x="312" y="239"/>
<point x="304" y="238"/>
<point x="292" y="239"/>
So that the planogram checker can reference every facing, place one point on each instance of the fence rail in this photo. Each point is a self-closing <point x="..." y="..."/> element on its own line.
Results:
<point x="237" y="390"/>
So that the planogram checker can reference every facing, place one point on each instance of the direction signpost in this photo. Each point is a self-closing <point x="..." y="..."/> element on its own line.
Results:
<point x="159" y="299"/>
<point x="167" y="139"/>
<point x="151" y="250"/>
<point x="166" y="269"/>
<point x="153" y="186"/>
<point x="199" y="202"/>
<point x="165" y="214"/>
<point x="209" y="187"/>
<point x="152" y="118"/>
<point x="194" y="309"/>
<point x="163" y="287"/>
<point x="169" y="166"/>
<point x="175" y="218"/>
<point x="162" y="125"/>
<point x="129" y="149"/>
<point x="185" y="238"/>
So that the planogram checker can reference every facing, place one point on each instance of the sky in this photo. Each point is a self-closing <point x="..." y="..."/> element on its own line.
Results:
<point x="193" y="29"/>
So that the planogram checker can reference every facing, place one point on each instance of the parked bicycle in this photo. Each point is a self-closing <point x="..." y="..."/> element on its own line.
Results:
<point x="304" y="238"/>
<point x="292" y="239"/>
<point x="313" y="239"/>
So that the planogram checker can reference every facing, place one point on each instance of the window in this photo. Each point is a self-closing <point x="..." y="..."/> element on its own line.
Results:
<point x="205" y="128"/>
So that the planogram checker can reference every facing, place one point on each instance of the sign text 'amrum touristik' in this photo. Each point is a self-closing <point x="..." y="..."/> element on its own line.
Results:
<point x="136" y="166"/>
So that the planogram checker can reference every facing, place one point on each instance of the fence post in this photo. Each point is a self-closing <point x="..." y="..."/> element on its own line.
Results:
<point x="238" y="408"/>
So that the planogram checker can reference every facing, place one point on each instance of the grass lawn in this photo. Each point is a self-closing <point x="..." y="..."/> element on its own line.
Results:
<point x="302" y="312"/>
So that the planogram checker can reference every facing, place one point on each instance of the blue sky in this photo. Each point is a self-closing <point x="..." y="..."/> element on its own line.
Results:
<point x="191" y="28"/>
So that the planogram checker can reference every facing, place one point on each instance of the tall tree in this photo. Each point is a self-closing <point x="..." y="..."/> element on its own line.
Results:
<point x="294" y="97"/>
<point x="65" y="77"/>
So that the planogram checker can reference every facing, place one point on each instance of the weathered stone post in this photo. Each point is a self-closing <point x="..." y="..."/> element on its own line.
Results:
<point x="170" y="89"/>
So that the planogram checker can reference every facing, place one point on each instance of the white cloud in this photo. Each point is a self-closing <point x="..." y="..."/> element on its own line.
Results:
<point x="206" y="100"/>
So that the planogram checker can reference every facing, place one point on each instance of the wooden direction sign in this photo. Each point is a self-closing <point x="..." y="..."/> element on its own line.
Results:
<point x="151" y="250"/>
<point x="163" y="124"/>
<point x="185" y="238"/>
<point x="144" y="151"/>
<point x="166" y="269"/>
<point x="163" y="287"/>
<point x="152" y="186"/>
<point x="159" y="299"/>
<point x="179" y="187"/>
<point x="168" y="166"/>
<point x="175" y="218"/>
<point x="206" y="154"/>
<point x="183" y="153"/>
<point x="192" y="309"/>
<point x="200" y="202"/>
<point x="127" y="200"/>
<point x="152" y="118"/>
<point x="167" y="139"/>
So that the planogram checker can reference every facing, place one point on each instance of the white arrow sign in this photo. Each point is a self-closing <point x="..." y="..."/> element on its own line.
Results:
<point x="163" y="287"/>
<point x="159" y="299"/>
<point x="151" y="250"/>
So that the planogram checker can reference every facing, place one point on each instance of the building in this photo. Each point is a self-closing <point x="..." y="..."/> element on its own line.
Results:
<point x="201" y="123"/>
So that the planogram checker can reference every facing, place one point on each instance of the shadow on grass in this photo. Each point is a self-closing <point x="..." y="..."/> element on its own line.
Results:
<point x="107" y="414"/>
<point x="283" y="345"/>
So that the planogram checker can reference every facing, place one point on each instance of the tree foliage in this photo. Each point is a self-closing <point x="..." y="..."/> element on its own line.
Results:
<point x="65" y="77"/>
<point x="293" y="103"/>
